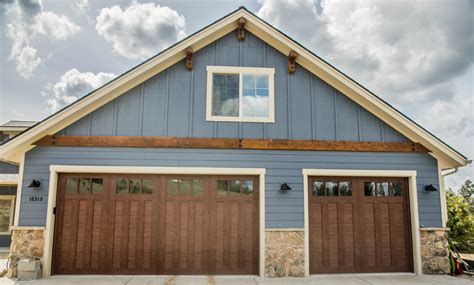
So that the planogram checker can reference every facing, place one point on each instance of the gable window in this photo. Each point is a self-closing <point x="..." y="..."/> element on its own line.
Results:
<point x="240" y="94"/>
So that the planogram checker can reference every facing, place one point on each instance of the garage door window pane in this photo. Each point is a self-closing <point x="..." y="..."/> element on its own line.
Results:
<point x="184" y="187"/>
<point x="234" y="187"/>
<point x="97" y="185"/>
<point x="369" y="188"/>
<point x="84" y="185"/>
<point x="222" y="186"/>
<point x="71" y="185"/>
<point x="147" y="186"/>
<point x="172" y="187"/>
<point x="395" y="189"/>
<point x="318" y="188"/>
<point x="382" y="189"/>
<point x="135" y="186"/>
<point x="247" y="187"/>
<point x="198" y="187"/>
<point x="331" y="188"/>
<point x="345" y="189"/>
<point x="122" y="185"/>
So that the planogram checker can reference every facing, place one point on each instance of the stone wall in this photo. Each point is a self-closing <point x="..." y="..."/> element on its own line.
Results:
<point x="26" y="243"/>
<point x="284" y="253"/>
<point x="434" y="251"/>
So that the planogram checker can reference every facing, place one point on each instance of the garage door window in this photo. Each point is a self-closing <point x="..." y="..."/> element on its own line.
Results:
<point x="133" y="186"/>
<point x="84" y="185"/>
<point x="382" y="189"/>
<point x="332" y="188"/>
<point x="184" y="187"/>
<point x="233" y="187"/>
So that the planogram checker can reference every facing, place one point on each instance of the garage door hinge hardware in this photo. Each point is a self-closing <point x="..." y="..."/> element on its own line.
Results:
<point x="54" y="211"/>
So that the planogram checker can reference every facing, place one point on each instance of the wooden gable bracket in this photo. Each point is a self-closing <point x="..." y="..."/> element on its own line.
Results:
<point x="241" y="29"/>
<point x="292" y="62"/>
<point x="189" y="58"/>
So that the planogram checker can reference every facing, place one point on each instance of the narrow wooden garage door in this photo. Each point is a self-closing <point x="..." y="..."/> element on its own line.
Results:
<point x="359" y="225"/>
<point x="152" y="224"/>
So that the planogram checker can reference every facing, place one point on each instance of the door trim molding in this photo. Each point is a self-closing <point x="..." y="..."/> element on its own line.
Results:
<point x="53" y="187"/>
<point x="413" y="205"/>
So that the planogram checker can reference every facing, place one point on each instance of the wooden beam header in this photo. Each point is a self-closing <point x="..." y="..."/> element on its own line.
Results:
<point x="228" y="143"/>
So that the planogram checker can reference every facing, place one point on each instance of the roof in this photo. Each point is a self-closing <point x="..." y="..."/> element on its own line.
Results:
<point x="17" y="125"/>
<point x="448" y="157"/>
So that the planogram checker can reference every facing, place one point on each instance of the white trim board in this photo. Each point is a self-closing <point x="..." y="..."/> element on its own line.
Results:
<point x="448" y="157"/>
<point x="413" y="200"/>
<point x="53" y="187"/>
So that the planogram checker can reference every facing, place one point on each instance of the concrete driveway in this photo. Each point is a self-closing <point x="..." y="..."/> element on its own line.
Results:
<point x="248" y="280"/>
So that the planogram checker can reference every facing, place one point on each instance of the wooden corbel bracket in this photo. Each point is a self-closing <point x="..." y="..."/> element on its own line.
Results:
<point x="189" y="58"/>
<point x="241" y="29"/>
<point x="292" y="62"/>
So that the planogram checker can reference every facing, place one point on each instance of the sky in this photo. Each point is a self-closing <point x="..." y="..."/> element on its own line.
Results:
<point x="417" y="55"/>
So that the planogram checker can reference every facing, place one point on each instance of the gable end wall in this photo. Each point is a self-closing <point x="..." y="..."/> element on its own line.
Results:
<point x="173" y="103"/>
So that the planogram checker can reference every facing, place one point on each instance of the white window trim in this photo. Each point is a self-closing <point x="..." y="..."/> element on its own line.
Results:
<point x="12" y="212"/>
<point x="241" y="70"/>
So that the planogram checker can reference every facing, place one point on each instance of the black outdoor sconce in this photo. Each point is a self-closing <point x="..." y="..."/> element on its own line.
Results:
<point x="34" y="184"/>
<point x="285" y="187"/>
<point x="430" y="188"/>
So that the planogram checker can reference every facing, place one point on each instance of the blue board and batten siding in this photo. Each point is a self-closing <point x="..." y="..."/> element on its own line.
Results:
<point x="173" y="103"/>
<point x="283" y="209"/>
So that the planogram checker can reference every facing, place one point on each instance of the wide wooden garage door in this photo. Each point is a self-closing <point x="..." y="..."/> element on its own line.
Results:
<point x="359" y="225"/>
<point x="156" y="224"/>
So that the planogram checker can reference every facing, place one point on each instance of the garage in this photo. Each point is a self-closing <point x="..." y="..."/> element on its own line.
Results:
<point x="156" y="224"/>
<point x="359" y="224"/>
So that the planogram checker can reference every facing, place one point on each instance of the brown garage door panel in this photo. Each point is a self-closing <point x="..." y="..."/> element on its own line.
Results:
<point x="355" y="230"/>
<point x="150" y="224"/>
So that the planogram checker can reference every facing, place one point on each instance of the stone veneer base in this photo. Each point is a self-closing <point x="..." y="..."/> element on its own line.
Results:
<point x="434" y="251"/>
<point x="26" y="243"/>
<point x="284" y="253"/>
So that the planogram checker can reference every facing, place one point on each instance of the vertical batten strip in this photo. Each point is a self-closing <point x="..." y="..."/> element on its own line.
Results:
<point x="167" y="92"/>
<point x="141" y="108"/>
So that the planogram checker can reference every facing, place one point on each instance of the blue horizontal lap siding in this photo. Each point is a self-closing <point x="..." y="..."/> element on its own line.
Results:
<point x="283" y="209"/>
<point x="173" y="103"/>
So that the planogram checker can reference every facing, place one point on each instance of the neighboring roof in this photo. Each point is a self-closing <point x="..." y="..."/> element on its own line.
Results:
<point x="17" y="125"/>
<point x="448" y="157"/>
<point x="8" y="179"/>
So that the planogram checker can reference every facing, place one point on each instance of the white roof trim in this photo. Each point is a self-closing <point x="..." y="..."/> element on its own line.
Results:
<point x="446" y="155"/>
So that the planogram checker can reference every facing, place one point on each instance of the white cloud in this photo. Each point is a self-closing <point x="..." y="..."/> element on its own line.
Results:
<point x="140" y="30"/>
<point x="57" y="27"/>
<point x="27" y="20"/>
<point x="81" y="5"/>
<point x="72" y="85"/>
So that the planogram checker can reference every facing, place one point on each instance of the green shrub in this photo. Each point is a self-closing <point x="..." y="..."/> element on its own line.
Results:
<point x="461" y="218"/>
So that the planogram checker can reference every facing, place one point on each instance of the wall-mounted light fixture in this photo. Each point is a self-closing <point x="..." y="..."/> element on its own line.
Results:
<point x="34" y="184"/>
<point x="285" y="187"/>
<point x="430" y="188"/>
